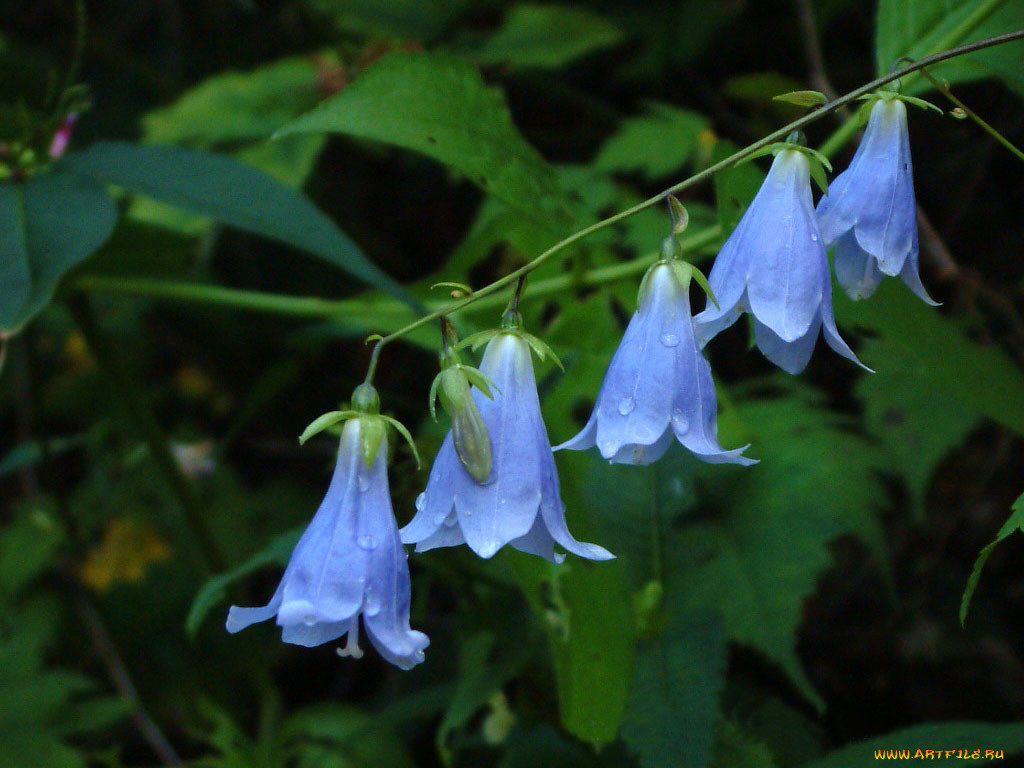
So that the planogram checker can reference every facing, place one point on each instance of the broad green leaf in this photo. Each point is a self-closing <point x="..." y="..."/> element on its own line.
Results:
<point x="232" y="193"/>
<point x="545" y="746"/>
<point x="33" y="748"/>
<point x="344" y="734"/>
<point x="916" y="422"/>
<point x="969" y="736"/>
<point x="923" y="346"/>
<point x="239" y="106"/>
<point x="671" y="718"/>
<point x="438" y="105"/>
<point x="214" y="591"/>
<point x="657" y="143"/>
<point x="28" y="545"/>
<point x="589" y="623"/>
<point x="1014" y="523"/>
<point x="547" y="36"/>
<point x="48" y="224"/>
<point x="917" y="28"/>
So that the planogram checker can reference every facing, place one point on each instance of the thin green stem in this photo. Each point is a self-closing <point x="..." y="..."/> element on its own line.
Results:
<point x="942" y="88"/>
<point x="385" y="312"/>
<point x="713" y="169"/>
<point x="149" y="429"/>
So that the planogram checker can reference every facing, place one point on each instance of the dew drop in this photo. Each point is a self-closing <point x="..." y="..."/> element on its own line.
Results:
<point x="679" y="422"/>
<point x="440" y="517"/>
<point x="371" y="603"/>
<point x="421" y="501"/>
<point x="626" y="406"/>
<point x="364" y="483"/>
<point x="367" y="542"/>
<point x="310" y="619"/>
<point x="670" y="340"/>
<point x="814" y="237"/>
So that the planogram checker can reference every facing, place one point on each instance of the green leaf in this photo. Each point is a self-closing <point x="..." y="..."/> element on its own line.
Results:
<point x="333" y="734"/>
<point x="239" y="106"/>
<point x="656" y="144"/>
<point x="917" y="423"/>
<point x="1014" y="523"/>
<point x="671" y="717"/>
<point x="589" y="623"/>
<point x="478" y="679"/>
<point x="439" y="106"/>
<point x="734" y="746"/>
<point x="408" y="19"/>
<point x="234" y="194"/>
<point x="214" y="591"/>
<point x="759" y="557"/>
<point x="38" y="749"/>
<point x="547" y="36"/>
<point x="930" y="736"/>
<point x="802" y="98"/>
<point x="917" y="28"/>
<point x="28" y="545"/>
<point x="923" y="346"/>
<point x="48" y="224"/>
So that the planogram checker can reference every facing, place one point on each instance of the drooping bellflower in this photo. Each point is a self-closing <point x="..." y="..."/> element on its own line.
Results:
<point x="869" y="213"/>
<point x="658" y="386"/>
<point x="519" y="503"/>
<point x="774" y="266"/>
<point x="350" y="562"/>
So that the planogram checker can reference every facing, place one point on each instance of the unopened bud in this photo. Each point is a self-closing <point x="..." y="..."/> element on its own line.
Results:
<point x="469" y="432"/>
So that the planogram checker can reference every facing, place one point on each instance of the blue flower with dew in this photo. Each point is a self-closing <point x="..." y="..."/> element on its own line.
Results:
<point x="658" y="387"/>
<point x="519" y="503"/>
<point x="774" y="266"/>
<point x="350" y="562"/>
<point x="870" y="214"/>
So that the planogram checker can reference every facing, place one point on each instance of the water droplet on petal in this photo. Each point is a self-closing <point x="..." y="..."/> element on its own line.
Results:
<point x="421" y="501"/>
<point x="371" y="603"/>
<point x="626" y="406"/>
<point x="367" y="542"/>
<point x="439" y="518"/>
<point x="670" y="340"/>
<point x="814" y="237"/>
<point x="364" y="483"/>
<point x="679" y="422"/>
<point x="310" y="619"/>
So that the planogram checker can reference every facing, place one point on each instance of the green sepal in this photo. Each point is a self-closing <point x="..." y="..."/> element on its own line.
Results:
<point x="542" y="350"/>
<point x="818" y="174"/>
<point x="802" y="98"/>
<point x="371" y="436"/>
<point x="323" y="422"/>
<point x="920" y="103"/>
<point x="408" y="438"/>
<point x="684" y="270"/>
<point x="432" y="397"/>
<point x="477" y="340"/>
<point x="480" y="380"/>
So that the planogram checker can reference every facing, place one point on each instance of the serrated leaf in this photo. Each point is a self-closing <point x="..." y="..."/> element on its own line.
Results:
<point x="48" y="224"/>
<point x="439" y="106"/>
<point x="234" y="194"/>
<point x="671" y="718"/>
<point x="214" y="591"/>
<point x="547" y="36"/>
<point x="1014" y="523"/>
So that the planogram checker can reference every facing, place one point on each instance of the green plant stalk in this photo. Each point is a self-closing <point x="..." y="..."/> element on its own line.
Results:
<point x="387" y="313"/>
<point x="845" y="132"/>
<point x="850" y="127"/>
<point x="944" y="90"/>
<point x="149" y="429"/>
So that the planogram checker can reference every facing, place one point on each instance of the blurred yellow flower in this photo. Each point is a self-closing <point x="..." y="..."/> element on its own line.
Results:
<point x="124" y="554"/>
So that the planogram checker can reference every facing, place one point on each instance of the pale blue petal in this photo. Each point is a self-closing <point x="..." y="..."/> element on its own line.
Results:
<point x="554" y="519"/>
<point x="505" y="507"/>
<point x="240" y="618"/>
<point x="312" y="635"/>
<point x="438" y="500"/>
<point x="643" y="454"/>
<point x="910" y="276"/>
<point x="790" y="356"/>
<point x="856" y="269"/>
<point x="784" y="288"/>
<point x="832" y="337"/>
<point x="538" y="542"/>
<point x="587" y="437"/>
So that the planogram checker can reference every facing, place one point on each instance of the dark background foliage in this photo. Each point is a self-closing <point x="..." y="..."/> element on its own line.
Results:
<point x="762" y="617"/>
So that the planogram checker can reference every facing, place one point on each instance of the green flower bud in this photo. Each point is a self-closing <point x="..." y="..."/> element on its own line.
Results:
<point x="365" y="399"/>
<point x="469" y="433"/>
